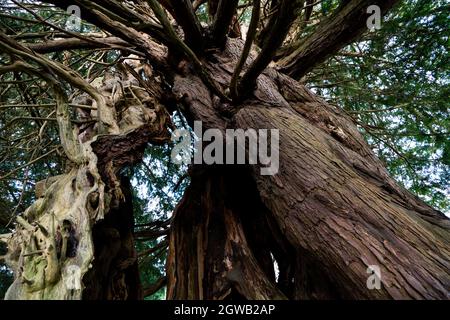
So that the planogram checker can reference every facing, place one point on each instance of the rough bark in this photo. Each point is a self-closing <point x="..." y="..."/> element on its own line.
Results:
<point x="329" y="213"/>
<point x="76" y="240"/>
<point x="215" y="239"/>
<point x="331" y="35"/>
<point x="114" y="274"/>
<point x="333" y="208"/>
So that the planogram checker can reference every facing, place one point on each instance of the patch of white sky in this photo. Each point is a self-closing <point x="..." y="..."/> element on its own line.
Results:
<point x="158" y="169"/>
<point x="143" y="192"/>
<point x="4" y="268"/>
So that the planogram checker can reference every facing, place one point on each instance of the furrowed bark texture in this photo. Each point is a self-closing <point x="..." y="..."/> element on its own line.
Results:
<point x="115" y="274"/>
<point x="215" y="237"/>
<point x="329" y="213"/>
<point x="332" y="208"/>
<point x="331" y="35"/>
<point x="76" y="241"/>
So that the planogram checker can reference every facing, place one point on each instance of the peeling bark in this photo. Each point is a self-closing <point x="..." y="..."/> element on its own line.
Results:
<point x="335" y="207"/>
<point x="211" y="254"/>
<point x="348" y="22"/>
<point x="76" y="240"/>
<point x="330" y="212"/>
<point x="114" y="274"/>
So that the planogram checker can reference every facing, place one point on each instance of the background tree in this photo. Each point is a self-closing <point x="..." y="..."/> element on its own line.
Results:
<point x="82" y="106"/>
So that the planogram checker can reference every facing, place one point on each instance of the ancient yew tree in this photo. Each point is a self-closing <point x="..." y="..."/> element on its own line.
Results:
<point x="94" y="94"/>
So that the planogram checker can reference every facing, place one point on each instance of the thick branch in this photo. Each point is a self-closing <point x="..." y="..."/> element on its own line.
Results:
<point x="184" y="14"/>
<point x="222" y="20"/>
<point x="330" y="36"/>
<point x="92" y="14"/>
<point x="105" y="114"/>
<point x="286" y="16"/>
<point x="177" y="44"/>
<point x="248" y="44"/>
<point x="67" y="132"/>
<point x="73" y="43"/>
<point x="118" y="14"/>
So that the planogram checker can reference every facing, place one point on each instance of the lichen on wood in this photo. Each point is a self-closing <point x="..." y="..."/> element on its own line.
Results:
<point x="51" y="248"/>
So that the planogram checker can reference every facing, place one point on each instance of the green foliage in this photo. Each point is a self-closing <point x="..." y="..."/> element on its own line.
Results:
<point x="328" y="6"/>
<point x="6" y="276"/>
<point x="395" y="84"/>
<point x="158" y="186"/>
<point x="23" y="140"/>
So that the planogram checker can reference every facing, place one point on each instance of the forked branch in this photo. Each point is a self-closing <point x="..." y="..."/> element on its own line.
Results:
<point x="247" y="46"/>
<point x="330" y="36"/>
<point x="222" y="20"/>
<point x="286" y="15"/>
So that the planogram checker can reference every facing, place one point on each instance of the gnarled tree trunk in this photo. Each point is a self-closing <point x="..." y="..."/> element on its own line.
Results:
<point x="76" y="241"/>
<point x="329" y="214"/>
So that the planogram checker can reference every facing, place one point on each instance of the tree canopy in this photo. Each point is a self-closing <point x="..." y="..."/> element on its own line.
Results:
<point x="393" y="82"/>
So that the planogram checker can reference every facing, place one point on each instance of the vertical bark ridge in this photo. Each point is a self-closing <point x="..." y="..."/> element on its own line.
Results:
<point x="208" y="228"/>
<point x="332" y="199"/>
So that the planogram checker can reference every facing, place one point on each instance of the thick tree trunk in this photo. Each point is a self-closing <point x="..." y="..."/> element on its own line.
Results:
<point x="217" y="249"/>
<point x="114" y="274"/>
<point x="329" y="214"/>
<point x="76" y="240"/>
<point x="104" y="268"/>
